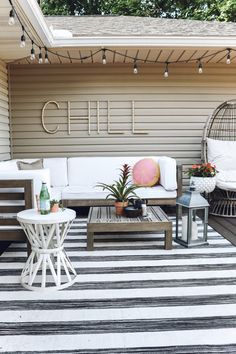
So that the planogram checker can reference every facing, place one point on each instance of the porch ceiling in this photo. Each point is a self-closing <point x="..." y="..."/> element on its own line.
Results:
<point x="126" y="55"/>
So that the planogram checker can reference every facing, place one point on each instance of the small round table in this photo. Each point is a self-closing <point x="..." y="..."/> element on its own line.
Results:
<point x="48" y="267"/>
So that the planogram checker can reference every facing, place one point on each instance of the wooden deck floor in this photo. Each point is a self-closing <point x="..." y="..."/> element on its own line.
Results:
<point x="225" y="226"/>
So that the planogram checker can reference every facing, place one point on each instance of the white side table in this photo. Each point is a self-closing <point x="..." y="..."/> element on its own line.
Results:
<point x="48" y="260"/>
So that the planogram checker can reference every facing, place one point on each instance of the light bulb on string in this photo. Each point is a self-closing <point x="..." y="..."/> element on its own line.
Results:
<point x="46" y="61"/>
<point x="200" y="68"/>
<point x="166" y="72"/>
<point x="22" y="38"/>
<point x="11" y="20"/>
<point x="104" y="59"/>
<point x="32" y="52"/>
<point x="40" y="56"/>
<point x="135" y="69"/>
<point x="228" y="59"/>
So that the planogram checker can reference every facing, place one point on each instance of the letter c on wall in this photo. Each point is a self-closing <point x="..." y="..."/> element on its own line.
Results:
<point x="42" y="117"/>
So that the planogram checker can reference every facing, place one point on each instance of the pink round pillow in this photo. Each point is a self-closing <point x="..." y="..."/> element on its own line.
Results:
<point x="146" y="173"/>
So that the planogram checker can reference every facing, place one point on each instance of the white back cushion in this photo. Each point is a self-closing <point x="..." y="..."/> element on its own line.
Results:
<point x="8" y="166"/>
<point x="222" y="153"/>
<point x="168" y="173"/>
<point x="58" y="170"/>
<point x="88" y="171"/>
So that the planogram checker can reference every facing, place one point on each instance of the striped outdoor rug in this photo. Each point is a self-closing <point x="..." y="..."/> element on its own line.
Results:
<point x="132" y="296"/>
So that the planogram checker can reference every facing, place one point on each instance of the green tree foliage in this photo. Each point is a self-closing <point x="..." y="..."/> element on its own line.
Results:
<point x="221" y="10"/>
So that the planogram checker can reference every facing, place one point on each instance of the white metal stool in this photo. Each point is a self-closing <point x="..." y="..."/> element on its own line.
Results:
<point x="48" y="260"/>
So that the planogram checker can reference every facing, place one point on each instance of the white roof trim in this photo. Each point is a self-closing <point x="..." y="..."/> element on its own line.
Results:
<point x="209" y="42"/>
<point x="35" y="16"/>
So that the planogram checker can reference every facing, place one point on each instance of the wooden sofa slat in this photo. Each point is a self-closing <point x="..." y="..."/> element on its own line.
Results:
<point x="11" y="208"/>
<point x="12" y="235"/>
<point x="11" y="196"/>
<point x="8" y="222"/>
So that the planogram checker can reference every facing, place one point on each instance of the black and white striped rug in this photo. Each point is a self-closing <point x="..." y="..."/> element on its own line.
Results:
<point x="132" y="296"/>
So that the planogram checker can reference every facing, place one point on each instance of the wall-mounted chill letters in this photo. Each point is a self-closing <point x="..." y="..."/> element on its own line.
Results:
<point x="98" y="106"/>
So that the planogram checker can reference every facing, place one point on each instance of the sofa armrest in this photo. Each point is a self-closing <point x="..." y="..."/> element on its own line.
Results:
<point x="37" y="176"/>
<point x="168" y="173"/>
<point x="179" y="180"/>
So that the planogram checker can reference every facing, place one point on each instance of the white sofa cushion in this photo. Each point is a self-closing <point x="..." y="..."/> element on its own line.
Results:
<point x="85" y="192"/>
<point x="58" y="170"/>
<point x="226" y="180"/>
<point x="168" y="173"/>
<point x="88" y="171"/>
<point x="8" y="166"/>
<point x="222" y="153"/>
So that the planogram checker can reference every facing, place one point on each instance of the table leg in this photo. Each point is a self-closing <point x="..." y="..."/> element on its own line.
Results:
<point x="90" y="239"/>
<point x="168" y="239"/>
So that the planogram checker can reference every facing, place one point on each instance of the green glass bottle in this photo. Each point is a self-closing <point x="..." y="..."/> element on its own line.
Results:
<point x="44" y="200"/>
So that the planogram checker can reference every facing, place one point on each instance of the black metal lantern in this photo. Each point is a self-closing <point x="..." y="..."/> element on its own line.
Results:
<point x="193" y="233"/>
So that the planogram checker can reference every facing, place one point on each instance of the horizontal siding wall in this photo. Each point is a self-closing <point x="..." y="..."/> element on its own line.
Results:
<point x="172" y="111"/>
<point x="4" y="114"/>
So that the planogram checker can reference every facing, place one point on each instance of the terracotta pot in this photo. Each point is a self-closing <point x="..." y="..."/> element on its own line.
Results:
<point x="120" y="207"/>
<point x="55" y="208"/>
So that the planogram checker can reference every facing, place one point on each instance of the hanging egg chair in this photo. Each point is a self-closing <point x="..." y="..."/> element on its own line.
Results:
<point x="219" y="148"/>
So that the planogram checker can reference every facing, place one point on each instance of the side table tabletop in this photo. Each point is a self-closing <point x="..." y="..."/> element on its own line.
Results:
<point x="48" y="267"/>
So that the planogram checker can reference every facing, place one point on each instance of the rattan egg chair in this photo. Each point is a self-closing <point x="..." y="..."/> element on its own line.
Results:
<point x="221" y="125"/>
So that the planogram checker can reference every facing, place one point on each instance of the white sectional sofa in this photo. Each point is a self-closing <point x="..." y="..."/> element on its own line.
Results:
<point x="74" y="179"/>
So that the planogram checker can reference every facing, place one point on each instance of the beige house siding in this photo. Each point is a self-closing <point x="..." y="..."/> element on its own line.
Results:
<point x="4" y="114"/>
<point x="171" y="111"/>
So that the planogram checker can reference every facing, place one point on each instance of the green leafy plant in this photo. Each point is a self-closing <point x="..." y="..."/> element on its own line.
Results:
<point x="202" y="170"/>
<point x="54" y="201"/>
<point x="122" y="189"/>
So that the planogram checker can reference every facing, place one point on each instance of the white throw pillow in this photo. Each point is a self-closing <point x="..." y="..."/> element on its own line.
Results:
<point x="222" y="153"/>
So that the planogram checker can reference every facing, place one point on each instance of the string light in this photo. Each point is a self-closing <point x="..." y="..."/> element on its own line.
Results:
<point x="104" y="59"/>
<point x="25" y="33"/>
<point x="46" y="61"/>
<point x="228" y="60"/>
<point x="40" y="56"/>
<point x="200" y="68"/>
<point x="166" y="72"/>
<point x="135" y="69"/>
<point x="11" y="20"/>
<point x="32" y="52"/>
<point x="22" y="38"/>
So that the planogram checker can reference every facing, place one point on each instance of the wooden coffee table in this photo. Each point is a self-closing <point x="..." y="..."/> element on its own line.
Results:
<point x="104" y="219"/>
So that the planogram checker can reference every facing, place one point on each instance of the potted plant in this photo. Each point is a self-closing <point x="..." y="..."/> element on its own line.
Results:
<point x="121" y="189"/>
<point x="54" y="204"/>
<point x="203" y="176"/>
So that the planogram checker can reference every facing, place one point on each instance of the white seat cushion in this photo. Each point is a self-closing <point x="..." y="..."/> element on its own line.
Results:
<point x="84" y="192"/>
<point x="156" y="192"/>
<point x="221" y="153"/>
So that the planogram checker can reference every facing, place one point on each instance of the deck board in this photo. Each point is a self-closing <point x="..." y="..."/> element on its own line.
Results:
<point x="224" y="226"/>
